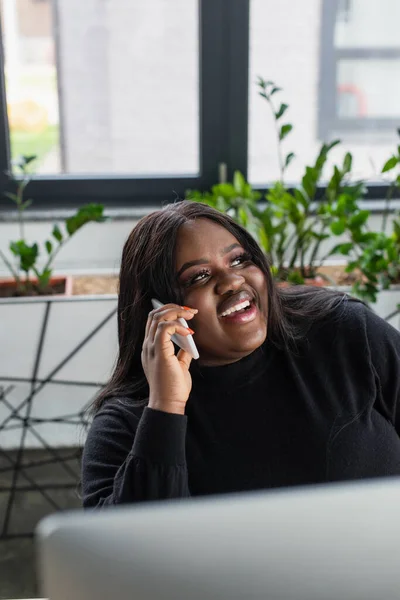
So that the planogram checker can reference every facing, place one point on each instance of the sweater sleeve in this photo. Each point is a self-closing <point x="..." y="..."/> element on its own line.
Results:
<point x="130" y="458"/>
<point x="384" y="348"/>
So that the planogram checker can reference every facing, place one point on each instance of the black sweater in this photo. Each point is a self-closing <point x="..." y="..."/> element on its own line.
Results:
<point x="328" y="411"/>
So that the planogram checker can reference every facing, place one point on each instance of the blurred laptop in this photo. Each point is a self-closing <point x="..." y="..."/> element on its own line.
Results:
<point x="316" y="543"/>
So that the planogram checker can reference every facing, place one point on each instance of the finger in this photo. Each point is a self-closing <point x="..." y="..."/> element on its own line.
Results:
<point x="171" y="314"/>
<point x="165" y="331"/>
<point x="184" y="357"/>
<point x="148" y="324"/>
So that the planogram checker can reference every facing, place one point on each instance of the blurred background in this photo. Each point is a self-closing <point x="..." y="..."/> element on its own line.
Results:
<point x="111" y="108"/>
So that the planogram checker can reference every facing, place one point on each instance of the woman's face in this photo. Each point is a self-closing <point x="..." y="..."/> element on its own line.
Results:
<point x="230" y="292"/>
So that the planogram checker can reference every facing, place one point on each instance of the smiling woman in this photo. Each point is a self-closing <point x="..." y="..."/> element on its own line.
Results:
<point x="227" y="288"/>
<point x="292" y="386"/>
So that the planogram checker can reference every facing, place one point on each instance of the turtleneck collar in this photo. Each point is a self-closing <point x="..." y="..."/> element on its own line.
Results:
<point x="237" y="373"/>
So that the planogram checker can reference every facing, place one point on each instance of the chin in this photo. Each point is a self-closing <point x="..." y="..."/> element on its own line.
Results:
<point x="251" y="344"/>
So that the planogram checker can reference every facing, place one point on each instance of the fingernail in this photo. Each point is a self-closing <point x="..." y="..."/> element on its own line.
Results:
<point x="190" y="309"/>
<point x="190" y="331"/>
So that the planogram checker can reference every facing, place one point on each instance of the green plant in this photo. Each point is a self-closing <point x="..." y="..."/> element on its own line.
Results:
<point x="295" y="222"/>
<point x="373" y="256"/>
<point x="238" y="200"/>
<point x="23" y="265"/>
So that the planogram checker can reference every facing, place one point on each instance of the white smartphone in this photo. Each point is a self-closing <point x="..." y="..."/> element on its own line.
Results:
<point x="186" y="343"/>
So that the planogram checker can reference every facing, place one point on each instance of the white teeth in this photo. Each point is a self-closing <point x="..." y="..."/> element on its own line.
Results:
<point x="236" y="308"/>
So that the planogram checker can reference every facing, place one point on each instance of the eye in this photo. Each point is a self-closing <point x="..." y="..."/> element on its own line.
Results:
<point x="242" y="258"/>
<point x="197" y="277"/>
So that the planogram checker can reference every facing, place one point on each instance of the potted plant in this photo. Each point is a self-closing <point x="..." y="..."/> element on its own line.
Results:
<point x="28" y="277"/>
<point x="374" y="256"/>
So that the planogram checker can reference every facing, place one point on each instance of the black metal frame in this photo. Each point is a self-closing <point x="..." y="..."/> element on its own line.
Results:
<point x="328" y="120"/>
<point x="20" y="418"/>
<point x="223" y="89"/>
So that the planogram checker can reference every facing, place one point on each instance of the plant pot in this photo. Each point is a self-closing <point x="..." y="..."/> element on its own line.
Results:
<point x="63" y="284"/>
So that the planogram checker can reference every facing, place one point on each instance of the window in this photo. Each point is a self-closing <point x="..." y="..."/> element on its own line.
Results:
<point x="103" y="87"/>
<point x="338" y="62"/>
<point x="142" y="99"/>
<point x="360" y="79"/>
<point x="133" y="102"/>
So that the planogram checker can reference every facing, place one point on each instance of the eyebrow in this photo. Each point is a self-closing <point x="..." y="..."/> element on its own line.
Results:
<point x="204" y="261"/>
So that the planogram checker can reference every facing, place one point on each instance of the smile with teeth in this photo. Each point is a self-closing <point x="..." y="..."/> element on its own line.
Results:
<point x="236" y="308"/>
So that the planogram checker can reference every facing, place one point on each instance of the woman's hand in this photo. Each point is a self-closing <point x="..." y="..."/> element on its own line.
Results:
<point x="167" y="374"/>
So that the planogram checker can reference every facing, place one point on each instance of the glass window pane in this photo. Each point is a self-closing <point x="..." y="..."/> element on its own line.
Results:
<point x="367" y="23"/>
<point x="104" y="86"/>
<point x="353" y="98"/>
<point x="368" y="88"/>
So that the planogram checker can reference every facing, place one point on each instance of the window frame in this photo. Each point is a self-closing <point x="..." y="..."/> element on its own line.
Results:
<point x="223" y="121"/>
<point x="223" y="109"/>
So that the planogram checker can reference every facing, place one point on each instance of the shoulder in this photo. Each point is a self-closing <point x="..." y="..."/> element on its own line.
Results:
<point x="358" y="331"/>
<point x="356" y="317"/>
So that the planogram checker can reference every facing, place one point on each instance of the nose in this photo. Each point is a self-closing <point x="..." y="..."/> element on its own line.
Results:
<point x="229" y="283"/>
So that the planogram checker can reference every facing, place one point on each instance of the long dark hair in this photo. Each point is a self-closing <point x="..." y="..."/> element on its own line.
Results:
<point x="148" y="270"/>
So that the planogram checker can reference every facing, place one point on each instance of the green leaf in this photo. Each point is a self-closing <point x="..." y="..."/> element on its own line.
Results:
<point x="342" y="249"/>
<point x="239" y="182"/>
<point x="308" y="181"/>
<point x="300" y="198"/>
<point x="56" y="233"/>
<point x="289" y="159"/>
<point x="338" y="227"/>
<point x="26" y="204"/>
<point x="332" y="145"/>
<point x="86" y="214"/>
<point x="390" y="164"/>
<point x="347" y="162"/>
<point x="27" y="254"/>
<point x="285" y="129"/>
<point x="221" y="205"/>
<point x="282" y="109"/>
<point x="351" y="266"/>
<point x="29" y="158"/>
<point x="295" y="278"/>
<point x="243" y="217"/>
<point x="264" y="241"/>
<point x="274" y="90"/>
<point x="263" y="83"/>
<point x="359" y="219"/>
<point x="49" y="246"/>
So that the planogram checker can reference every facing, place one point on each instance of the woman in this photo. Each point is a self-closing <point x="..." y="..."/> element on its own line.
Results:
<point x="293" y="386"/>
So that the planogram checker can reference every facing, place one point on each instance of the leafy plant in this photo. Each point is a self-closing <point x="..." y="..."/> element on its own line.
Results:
<point x="238" y="200"/>
<point x="296" y="223"/>
<point x="373" y="256"/>
<point x="291" y="225"/>
<point x="29" y="277"/>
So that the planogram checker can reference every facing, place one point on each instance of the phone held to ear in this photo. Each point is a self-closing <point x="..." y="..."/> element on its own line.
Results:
<point x="186" y="343"/>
